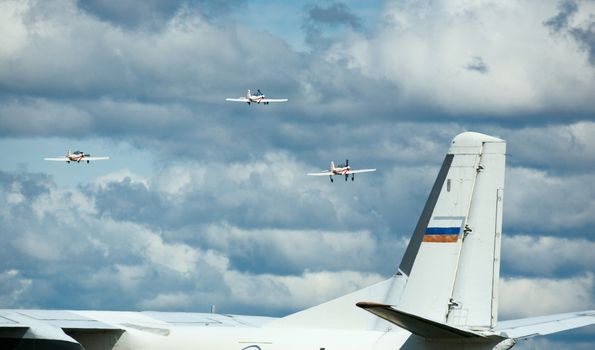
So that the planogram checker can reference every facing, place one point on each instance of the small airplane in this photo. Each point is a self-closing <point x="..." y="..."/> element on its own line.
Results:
<point x="341" y="170"/>
<point x="76" y="156"/>
<point x="258" y="98"/>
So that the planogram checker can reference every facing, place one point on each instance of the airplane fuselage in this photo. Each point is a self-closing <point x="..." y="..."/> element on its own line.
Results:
<point x="156" y="335"/>
<point x="221" y="338"/>
<point x="256" y="99"/>
<point x="76" y="157"/>
<point x="341" y="170"/>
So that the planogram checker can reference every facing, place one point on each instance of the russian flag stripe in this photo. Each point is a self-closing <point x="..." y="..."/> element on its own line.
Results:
<point x="443" y="230"/>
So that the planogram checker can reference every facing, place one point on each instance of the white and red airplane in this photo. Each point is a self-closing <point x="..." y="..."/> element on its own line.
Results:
<point x="341" y="170"/>
<point x="258" y="98"/>
<point x="76" y="156"/>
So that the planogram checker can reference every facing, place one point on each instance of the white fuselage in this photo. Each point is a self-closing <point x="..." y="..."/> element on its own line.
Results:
<point x="75" y="157"/>
<point x="228" y="338"/>
<point x="340" y="170"/>
<point x="255" y="98"/>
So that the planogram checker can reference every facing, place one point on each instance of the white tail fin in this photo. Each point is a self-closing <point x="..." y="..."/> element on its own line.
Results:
<point x="453" y="259"/>
<point x="449" y="272"/>
<point x="68" y="153"/>
<point x="332" y="167"/>
<point x="248" y="94"/>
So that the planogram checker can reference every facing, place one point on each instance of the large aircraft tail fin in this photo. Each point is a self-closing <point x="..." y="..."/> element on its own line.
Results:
<point x="449" y="272"/>
<point x="447" y="282"/>
<point x="453" y="259"/>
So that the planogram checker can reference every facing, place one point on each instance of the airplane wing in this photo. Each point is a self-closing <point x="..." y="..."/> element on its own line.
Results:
<point x="239" y="99"/>
<point x="95" y="158"/>
<point x="57" y="159"/>
<point x="324" y="173"/>
<point x="274" y="100"/>
<point x="361" y="171"/>
<point x="533" y="326"/>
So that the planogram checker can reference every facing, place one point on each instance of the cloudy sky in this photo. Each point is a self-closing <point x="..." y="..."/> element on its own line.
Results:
<point x="207" y="202"/>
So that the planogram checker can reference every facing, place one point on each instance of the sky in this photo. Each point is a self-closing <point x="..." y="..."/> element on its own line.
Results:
<point x="207" y="203"/>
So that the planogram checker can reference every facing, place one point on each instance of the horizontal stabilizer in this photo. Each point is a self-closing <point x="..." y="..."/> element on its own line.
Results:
<point x="418" y="325"/>
<point x="533" y="326"/>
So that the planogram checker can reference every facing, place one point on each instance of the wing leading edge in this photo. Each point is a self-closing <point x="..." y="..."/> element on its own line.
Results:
<point x="361" y="171"/>
<point x="533" y="326"/>
<point x="274" y="100"/>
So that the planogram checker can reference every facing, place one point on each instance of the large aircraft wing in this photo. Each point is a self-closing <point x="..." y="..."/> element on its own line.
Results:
<point x="361" y="171"/>
<point x="533" y="326"/>
<point x="274" y="100"/>
<point x="57" y="159"/>
<point x="324" y="173"/>
<point x="96" y="158"/>
<point x="239" y="99"/>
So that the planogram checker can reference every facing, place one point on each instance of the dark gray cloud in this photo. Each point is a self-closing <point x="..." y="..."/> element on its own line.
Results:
<point x="586" y="37"/>
<point x="335" y="14"/>
<point x="152" y="14"/>
<point x="583" y="33"/>
<point x="477" y="64"/>
<point x="560" y="21"/>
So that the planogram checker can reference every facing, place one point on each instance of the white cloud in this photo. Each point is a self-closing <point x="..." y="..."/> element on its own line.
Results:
<point x="425" y="47"/>
<point x="546" y="255"/>
<point x="295" y="292"/>
<point x="167" y="301"/>
<point x="295" y="250"/>
<point x="536" y="200"/>
<point x="12" y="287"/>
<point x="121" y="175"/>
<point x="526" y="297"/>
<point x="11" y="25"/>
<point x="567" y="148"/>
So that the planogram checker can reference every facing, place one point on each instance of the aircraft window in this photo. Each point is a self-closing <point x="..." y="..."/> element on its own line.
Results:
<point x="448" y="185"/>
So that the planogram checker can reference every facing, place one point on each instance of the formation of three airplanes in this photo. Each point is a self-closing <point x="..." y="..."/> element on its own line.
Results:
<point x="258" y="98"/>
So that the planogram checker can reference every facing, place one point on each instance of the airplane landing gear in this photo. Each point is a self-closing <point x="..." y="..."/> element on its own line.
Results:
<point x="346" y="177"/>
<point x="87" y="162"/>
<point x="331" y="178"/>
<point x="352" y="177"/>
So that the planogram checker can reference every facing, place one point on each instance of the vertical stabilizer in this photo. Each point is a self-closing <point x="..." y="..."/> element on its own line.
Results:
<point x="452" y="261"/>
<point x="450" y="269"/>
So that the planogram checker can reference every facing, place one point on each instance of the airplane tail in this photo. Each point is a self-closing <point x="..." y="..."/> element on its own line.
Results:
<point x="453" y="259"/>
<point x="446" y="286"/>
<point x="449" y="272"/>
<point x="332" y="166"/>
<point x="248" y="94"/>
<point x="69" y="152"/>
